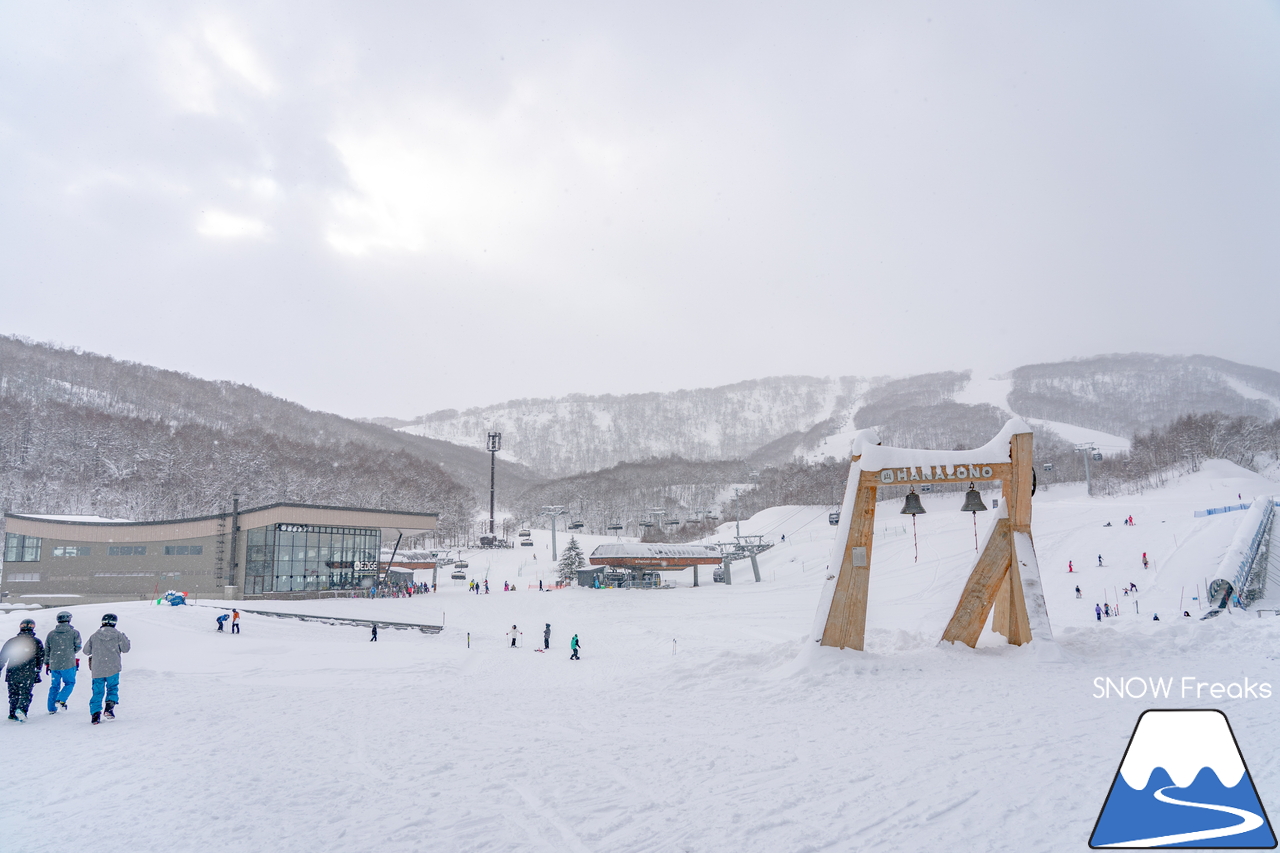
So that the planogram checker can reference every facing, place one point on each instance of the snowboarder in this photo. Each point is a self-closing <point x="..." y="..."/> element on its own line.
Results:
<point x="1133" y="587"/>
<point x="1078" y="591"/>
<point x="61" y="663"/>
<point x="546" y="637"/>
<point x="374" y="637"/>
<point x="1099" y="559"/>
<point x="222" y="620"/>
<point x="235" y="621"/>
<point x="1186" y="613"/>
<point x="575" y="645"/>
<point x="1155" y="617"/>
<point x="103" y="648"/>
<point x="1097" y="608"/>
<point x="1070" y="566"/>
<point x="22" y="656"/>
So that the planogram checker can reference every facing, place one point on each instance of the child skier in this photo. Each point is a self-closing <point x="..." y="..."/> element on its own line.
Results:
<point x="61" y="663"/>
<point x="222" y="620"/>
<point x="546" y="636"/>
<point x="575" y="645"/>
<point x="22" y="658"/>
<point x="103" y="649"/>
<point x="513" y="633"/>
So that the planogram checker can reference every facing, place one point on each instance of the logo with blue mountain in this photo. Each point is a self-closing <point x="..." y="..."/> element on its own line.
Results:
<point x="1183" y="783"/>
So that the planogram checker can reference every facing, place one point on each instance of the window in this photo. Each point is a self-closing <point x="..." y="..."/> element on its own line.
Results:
<point x="124" y="574"/>
<point x="183" y="550"/>
<point x="22" y="577"/>
<point x="127" y="551"/>
<point x="71" y="551"/>
<point x="21" y="549"/>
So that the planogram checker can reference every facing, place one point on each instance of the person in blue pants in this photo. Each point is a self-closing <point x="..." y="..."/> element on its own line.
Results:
<point x="104" y="649"/>
<point x="60" y="661"/>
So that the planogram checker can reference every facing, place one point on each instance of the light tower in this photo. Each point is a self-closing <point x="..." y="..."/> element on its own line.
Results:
<point x="493" y="445"/>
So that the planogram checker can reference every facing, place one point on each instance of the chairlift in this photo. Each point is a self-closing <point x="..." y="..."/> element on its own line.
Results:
<point x="673" y="521"/>
<point x="461" y="564"/>
<point x="614" y="527"/>
<point x="458" y="575"/>
<point x="713" y="518"/>
<point x="526" y="543"/>
<point x="927" y="487"/>
<point x="1097" y="456"/>
<point x="833" y="518"/>
<point x="576" y="525"/>
<point x="1048" y="466"/>
<point x="645" y="524"/>
<point x="525" y="534"/>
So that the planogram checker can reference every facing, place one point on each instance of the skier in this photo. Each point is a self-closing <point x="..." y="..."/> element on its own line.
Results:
<point x="1097" y="608"/>
<point x="486" y="586"/>
<point x="539" y="584"/>
<point x="22" y="655"/>
<point x="222" y="621"/>
<point x="1070" y="566"/>
<point x="235" y="621"/>
<point x="1133" y="587"/>
<point x="575" y="645"/>
<point x="1131" y="525"/>
<point x="506" y="586"/>
<point x="1078" y="591"/>
<point x="103" y="648"/>
<point x="546" y="637"/>
<point x="1106" y="609"/>
<point x="1144" y="559"/>
<point x="784" y="537"/>
<point x="1099" y="559"/>
<point x="374" y="638"/>
<point x="513" y="633"/>
<point x="61" y="663"/>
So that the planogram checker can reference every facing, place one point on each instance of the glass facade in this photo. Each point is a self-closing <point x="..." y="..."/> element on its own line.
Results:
<point x="21" y="549"/>
<point x="298" y="557"/>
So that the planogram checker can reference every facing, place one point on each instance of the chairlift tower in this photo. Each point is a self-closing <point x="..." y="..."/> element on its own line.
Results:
<point x="554" y="512"/>
<point x="1090" y="452"/>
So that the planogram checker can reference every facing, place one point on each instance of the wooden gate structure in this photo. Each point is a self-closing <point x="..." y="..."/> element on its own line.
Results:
<point x="1005" y="577"/>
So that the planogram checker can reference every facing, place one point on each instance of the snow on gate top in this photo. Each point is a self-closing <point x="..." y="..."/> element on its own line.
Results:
<point x="995" y="452"/>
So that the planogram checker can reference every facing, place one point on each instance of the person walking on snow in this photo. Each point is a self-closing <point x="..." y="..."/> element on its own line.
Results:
<point x="1097" y="608"/>
<point x="60" y="649"/>
<point x="103" y="648"/>
<point x="513" y="633"/>
<point x="235" y="621"/>
<point x="575" y="645"/>
<point x="222" y="620"/>
<point x="1070" y="567"/>
<point x="1099" y="559"/>
<point x="1144" y="559"/>
<point x="1078" y="591"/>
<point x="21" y="657"/>
<point x="374" y="638"/>
<point x="546" y="637"/>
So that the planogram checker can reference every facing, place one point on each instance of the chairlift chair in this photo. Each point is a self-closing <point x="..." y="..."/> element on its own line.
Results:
<point x="525" y="534"/>
<point x="833" y="518"/>
<point x="614" y="527"/>
<point x="458" y="575"/>
<point x="576" y="525"/>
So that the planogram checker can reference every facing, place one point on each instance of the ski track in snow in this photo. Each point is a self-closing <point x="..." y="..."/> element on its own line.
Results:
<point x="1248" y="822"/>
<point x="302" y="736"/>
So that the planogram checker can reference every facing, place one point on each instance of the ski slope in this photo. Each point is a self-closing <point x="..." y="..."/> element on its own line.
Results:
<point x="697" y="719"/>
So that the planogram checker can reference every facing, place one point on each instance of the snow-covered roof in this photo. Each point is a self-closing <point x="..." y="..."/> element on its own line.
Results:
<point x="994" y="452"/>
<point x="646" y="550"/>
<point x="85" y="519"/>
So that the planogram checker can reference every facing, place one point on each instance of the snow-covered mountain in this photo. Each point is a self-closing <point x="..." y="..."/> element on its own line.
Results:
<point x="1103" y="399"/>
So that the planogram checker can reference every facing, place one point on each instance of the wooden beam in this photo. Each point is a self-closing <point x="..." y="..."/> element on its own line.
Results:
<point x="847" y="619"/>
<point x="923" y="474"/>
<point x="1019" y="632"/>
<point x="980" y="591"/>
<point x="1018" y="486"/>
<point x="1000" y="611"/>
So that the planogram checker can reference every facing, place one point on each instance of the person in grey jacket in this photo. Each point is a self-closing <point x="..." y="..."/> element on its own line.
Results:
<point x="60" y="661"/>
<point x="103" y="649"/>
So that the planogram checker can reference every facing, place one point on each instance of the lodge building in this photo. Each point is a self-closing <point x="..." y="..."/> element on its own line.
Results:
<point x="282" y="550"/>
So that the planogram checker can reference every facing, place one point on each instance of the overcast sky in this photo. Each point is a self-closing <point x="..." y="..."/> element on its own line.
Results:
<point x="397" y="207"/>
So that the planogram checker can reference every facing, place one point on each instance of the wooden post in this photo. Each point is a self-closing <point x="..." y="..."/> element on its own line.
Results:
<point x="1017" y="489"/>
<point x="847" y="619"/>
<point x="1000" y="612"/>
<point x="979" y="594"/>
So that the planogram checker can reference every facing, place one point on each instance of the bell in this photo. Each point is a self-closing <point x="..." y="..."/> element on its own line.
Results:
<point x="913" y="505"/>
<point x="973" y="501"/>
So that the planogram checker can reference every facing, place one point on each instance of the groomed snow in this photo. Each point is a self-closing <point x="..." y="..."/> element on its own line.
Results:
<point x="697" y="719"/>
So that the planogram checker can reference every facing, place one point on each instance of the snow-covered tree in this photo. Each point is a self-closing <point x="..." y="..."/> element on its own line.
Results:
<point x="571" y="560"/>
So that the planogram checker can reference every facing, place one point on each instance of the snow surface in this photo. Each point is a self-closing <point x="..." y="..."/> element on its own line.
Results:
<point x="697" y="719"/>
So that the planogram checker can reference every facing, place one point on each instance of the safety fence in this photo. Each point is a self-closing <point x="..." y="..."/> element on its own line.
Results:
<point x="1250" y="579"/>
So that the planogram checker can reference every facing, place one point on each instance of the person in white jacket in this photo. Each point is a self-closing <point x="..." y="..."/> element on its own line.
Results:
<point x="513" y="634"/>
<point x="104" y="649"/>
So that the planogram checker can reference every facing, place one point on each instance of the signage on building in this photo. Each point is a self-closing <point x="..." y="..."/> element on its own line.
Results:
<point x="293" y="528"/>
<point x="937" y="473"/>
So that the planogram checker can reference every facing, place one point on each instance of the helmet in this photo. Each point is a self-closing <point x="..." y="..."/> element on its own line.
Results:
<point x="64" y="616"/>
<point x="27" y="625"/>
<point x="110" y="619"/>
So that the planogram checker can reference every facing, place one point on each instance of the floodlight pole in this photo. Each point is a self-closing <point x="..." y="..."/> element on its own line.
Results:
<point x="493" y="446"/>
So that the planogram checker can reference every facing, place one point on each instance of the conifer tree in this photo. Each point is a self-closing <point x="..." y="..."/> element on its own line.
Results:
<point x="571" y="561"/>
